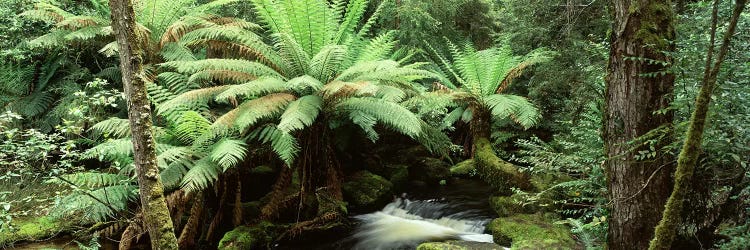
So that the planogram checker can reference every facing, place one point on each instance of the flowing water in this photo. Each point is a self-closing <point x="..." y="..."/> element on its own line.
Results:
<point x="458" y="211"/>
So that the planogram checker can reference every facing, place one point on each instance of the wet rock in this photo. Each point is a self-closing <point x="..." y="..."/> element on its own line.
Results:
<point x="367" y="190"/>
<point x="33" y="230"/>
<point x="430" y="170"/>
<point x="531" y="231"/>
<point x="459" y="245"/>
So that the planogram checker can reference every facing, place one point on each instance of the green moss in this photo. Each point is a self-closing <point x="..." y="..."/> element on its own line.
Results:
<point x="248" y="237"/>
<point x="399" y="176"/>
<point x="464" y="168"/>
<point x="439" y="246"/>
<point x="430" y="170"/>
<point x="459" y="245"/>
<point x="33" y="229"/>
<point x="656" y="23"/>
<point x="531" y="231"/>
<point x="506" y="205"/>
<point x="365" y="189"/>
<point x="496" y="172"/>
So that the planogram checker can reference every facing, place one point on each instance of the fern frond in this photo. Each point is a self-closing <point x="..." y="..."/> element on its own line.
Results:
<point x="192" y="99"/>
<point x="327" y="62"/>
<point x="252" y="111"/>
<point x="190" y="126"/>
<point x="239" y="41"/>
<point x="176" y="52"/>
<point x="200" y="176"/>
<point x="378" y="48"/>
<point x="114" y="127"/>
<point x="248" y="67"/>
<point x="304" y="85"/>
<point x="354" y="12"/>
<point x="300" y="113"/>
<point x="91" y="180"/>
<point x="251" y="89"/>
<point x="175" y="82"/>
<point x="395" y="116"/>
<point x="518" y="108"/>
<point x="297" y="60"/>
<point x="283" y="144"/>
<point x="228" y="152"/>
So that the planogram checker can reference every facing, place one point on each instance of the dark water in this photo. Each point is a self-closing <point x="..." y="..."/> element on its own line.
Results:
<point x="424" y="213"/>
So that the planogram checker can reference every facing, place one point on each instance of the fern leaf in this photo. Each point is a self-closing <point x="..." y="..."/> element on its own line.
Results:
<point x="391" y="114"/>
<point x="300" y="113"/>
<point x="228" y="153"/>
<point x="283" y="144"/>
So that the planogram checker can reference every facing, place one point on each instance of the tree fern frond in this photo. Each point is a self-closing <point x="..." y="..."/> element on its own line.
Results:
<point x="378" y="48"/>
<point x="327" y="62"/>
<point x="240" y="41"/>
<point x="114" y="150"/>
<point x="354" y="12"/>
<point x="271" y="15"/>
<point x="46" y="12"/>
<point x="210" y="77"/>
<point x="252" y="111"/>
<point x="228" y="153"/>
<point x="306" y="20"/>
<point x="296" y="58"/>
<point x="452" y="117"/>
<point x="175" y="82"/>
<point x="190" y="126"/>
<point x="249" y="67"/>
<point x="33" y="104"/>
<point x="305" y="85"/>
<point x="366" y="122"/>
<point x="519" y="109"/>
<point x="91" y="179"/>
<point x="283" y="144"/>
<point x="192" y="99"/>
<point x="250" y="89"/>
<point x="107" y="202"/>
<point x="74" y="23"/>
<point x="200" y="176"/>
<point x="391" y="114"/>
<point x="176" y="52"/>
<point x="390" y="93"/>
<point x="434" y="140"/>
<point x="300" y="113"/>
<point x="114" y="127"/>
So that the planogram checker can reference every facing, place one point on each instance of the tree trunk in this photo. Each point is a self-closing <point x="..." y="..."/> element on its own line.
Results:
<point x="667" y="229"/>
<point x="155" y="213"/>
<point x="638" y="85"/>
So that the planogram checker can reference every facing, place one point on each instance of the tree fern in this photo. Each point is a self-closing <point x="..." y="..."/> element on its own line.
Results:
<point x="114" y="127"/>
<point x="517" y="108"/>
<point x="300" y="113"/>
<point x="228" y="152"/>
<point x="391" y="114"/>
<point x="283" y="144"/>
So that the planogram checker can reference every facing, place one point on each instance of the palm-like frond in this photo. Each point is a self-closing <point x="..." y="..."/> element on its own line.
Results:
<point x="190" y="126"/>
<point x="391" y="114"/>
<point x="516" y="107"/>
<point x="251" y="89"/>
<point x="300" y="113"/>
<point x="192" y="99"/>
<point x="228" y="152"/>
<point x="252" y="111"/>
<point x="282" y="143"/>
<point x="201" y="175"/>
<point x="114" y="127"/>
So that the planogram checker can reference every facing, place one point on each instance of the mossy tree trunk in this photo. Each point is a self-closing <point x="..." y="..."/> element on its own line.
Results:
<point x="155" y="213"/>
<point x="638" y="85"/>
<point x="688" y="158"/>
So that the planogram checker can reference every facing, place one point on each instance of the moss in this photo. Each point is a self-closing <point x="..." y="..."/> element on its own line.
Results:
<point x="430" y="170"/>
<point x="531" y="231"/>
<point x="439" y="246"/>
<point x="33" y="229"/>
<point x="507" y="205"/>
<point x="464" y="168"/>
<point x="365" y="189"/>
<point x="459" y="245"/>
<point x="248" y="237"/>
<point x="498" y="173"/>
<point x="399" y="176"/>
<point x="656" y="23"/>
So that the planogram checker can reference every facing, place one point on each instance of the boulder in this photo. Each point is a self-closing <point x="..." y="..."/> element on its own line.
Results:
<point x="459" y="245"/>
<point x="464" y="169"/>
<point x="430" y="170"/>
<point x="531" y="231"/>
<point x="367" y="190"/>
<point x="257" y="236"/>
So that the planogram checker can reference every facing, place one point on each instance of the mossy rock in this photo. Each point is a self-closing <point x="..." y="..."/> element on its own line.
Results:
<point x="430" y="170"/>
<point x="367" y="190"/>
<point x="500" y="174"/>
<point x="33" y="229"/>
<point x="531" y="231"/>
<point x="508" y="205"/>
<point x="248" y="237"/>
<point x="459" y="245"/>
<point x="399" y="176"/>
<point x="464" y="168"/>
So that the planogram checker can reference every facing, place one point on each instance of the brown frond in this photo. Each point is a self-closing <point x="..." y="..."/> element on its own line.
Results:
<point x="257" y="108"/>
<point x="76" y="23"/>
<point x="132" y="233"/>
<point x="338" y="89"/>
<point x="513" y="74"/>
<point x="240" y="51"/>
<point x="112" y="230"/>
<point x="189" y="232"/>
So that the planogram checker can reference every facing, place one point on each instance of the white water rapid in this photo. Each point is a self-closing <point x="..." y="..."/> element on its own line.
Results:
<point x="403" y="224"/>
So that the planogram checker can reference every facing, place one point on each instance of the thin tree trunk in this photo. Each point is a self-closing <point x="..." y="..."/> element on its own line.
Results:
<point x="667" y="228"/>
<point x="155" y="213"/>
<point x="638" y="85"/>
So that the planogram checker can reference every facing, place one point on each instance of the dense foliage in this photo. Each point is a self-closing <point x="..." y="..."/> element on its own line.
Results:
<point x="315" y="91"/>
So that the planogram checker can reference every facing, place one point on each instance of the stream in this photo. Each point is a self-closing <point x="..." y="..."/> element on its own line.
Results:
<point x="457" y="211"/>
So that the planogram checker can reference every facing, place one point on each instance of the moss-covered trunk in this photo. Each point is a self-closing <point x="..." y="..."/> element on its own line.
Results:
<point x="155" y="213"/>
<point x="688" y="158"/>
<point x="638" y="93"/>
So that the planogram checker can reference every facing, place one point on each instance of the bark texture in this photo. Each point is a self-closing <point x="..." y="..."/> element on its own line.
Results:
<point x="155" y="213"/>
<point x="638" y="85"/>
<point x="688" y="158"/>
